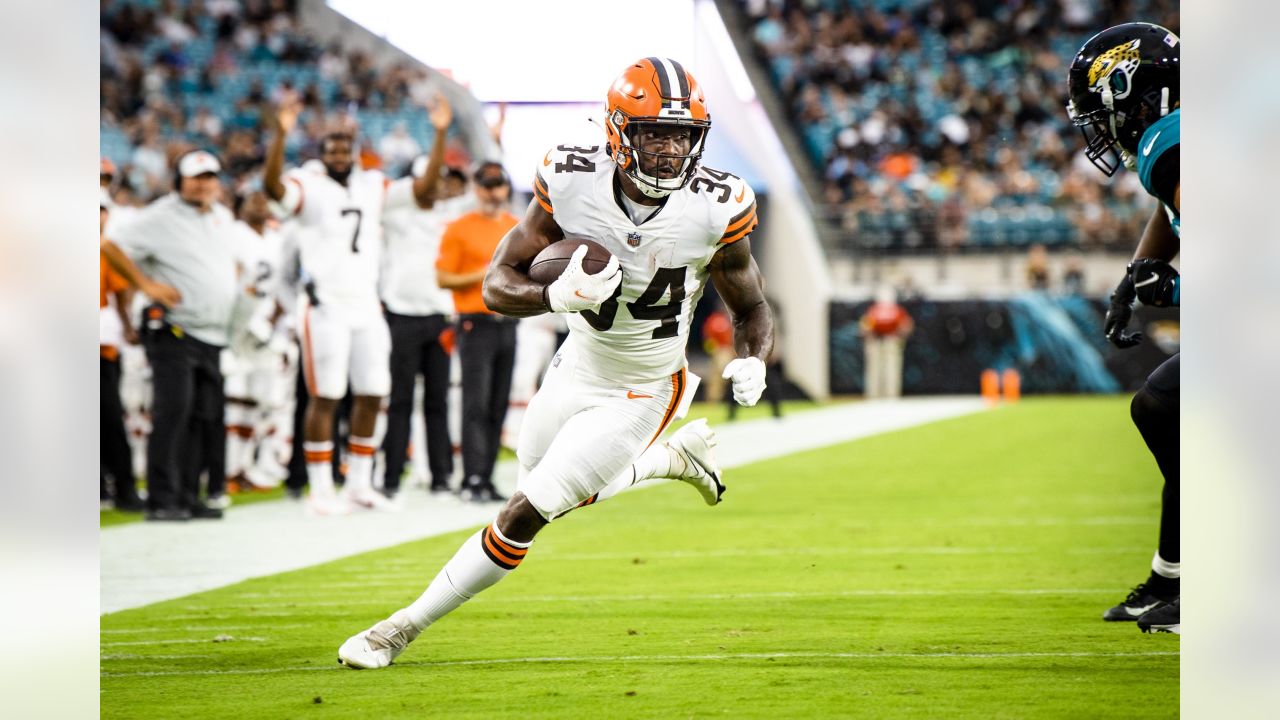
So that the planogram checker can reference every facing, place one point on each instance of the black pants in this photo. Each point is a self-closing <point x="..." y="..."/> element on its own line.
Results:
<point x="1155" y="411"/>
<point x="416" y="349"/>
<point x="187" y="432"/>
<point x="487" y="350"/>
<point x="297" y="460"/>
<point x="117" y="456"/>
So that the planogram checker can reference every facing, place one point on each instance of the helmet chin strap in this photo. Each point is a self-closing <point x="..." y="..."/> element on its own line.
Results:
<point x="645" y="188"/>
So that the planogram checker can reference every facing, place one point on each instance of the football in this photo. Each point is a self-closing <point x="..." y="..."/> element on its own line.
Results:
<point x="552" y="261"/>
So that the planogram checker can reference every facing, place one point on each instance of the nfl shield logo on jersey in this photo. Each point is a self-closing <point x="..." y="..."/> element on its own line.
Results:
<point x="633" y="239"/>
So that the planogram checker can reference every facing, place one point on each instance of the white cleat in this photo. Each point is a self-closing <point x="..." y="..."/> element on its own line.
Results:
<point x="380" y="645"/>
<point x="695" y="443"/>
<point x="326" y="504"/>
<point x="369" y="500"/>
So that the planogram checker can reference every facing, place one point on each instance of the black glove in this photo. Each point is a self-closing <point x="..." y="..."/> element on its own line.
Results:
<point x="1155" y="281"/>
<point x="1117" y="322"/>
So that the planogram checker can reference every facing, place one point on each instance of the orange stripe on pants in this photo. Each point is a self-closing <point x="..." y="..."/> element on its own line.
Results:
<point x="308" y="369"/>
<point x="677" y="392"/>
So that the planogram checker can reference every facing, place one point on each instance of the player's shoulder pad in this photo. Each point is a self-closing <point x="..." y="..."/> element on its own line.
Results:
<point x="562" y="166"/>
<point x="1163" y="135"/>
<point x="731" y="203"/>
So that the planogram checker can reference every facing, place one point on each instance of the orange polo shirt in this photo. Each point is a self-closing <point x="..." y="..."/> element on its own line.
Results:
<point x="467" y="246"/>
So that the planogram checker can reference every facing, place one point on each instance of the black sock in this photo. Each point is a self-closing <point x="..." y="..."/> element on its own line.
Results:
<point x="1163" y="587"/>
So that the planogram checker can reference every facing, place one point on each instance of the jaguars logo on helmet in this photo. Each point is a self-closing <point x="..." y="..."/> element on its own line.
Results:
<point x="1112" y="71"/>
<point x="1122" y="81"/>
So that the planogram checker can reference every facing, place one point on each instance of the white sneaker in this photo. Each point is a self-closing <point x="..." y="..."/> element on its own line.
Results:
<point x="221" y="502"/>
<point x="695" y="442"/>
<point x="267" y="474"/>
<point x="322" y="504"/>
<point x="369" y="500"/>
<point x="378" y="646"/>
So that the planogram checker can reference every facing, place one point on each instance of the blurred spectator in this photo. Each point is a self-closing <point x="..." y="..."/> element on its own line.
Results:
<point x="1073" y="276"/>
<point x="184" y="246"/>
<point x="1038" y="267"/>
<point x="398" y="149"/>
<point x="198" y="73"/>
<point x="486" y="340"/>
<point x="717" y="340"/>
<point x="117" y="485"/>
<point x="419" y="318"/>
<point x="885" y="327"/>
<point x="942" y="110"/>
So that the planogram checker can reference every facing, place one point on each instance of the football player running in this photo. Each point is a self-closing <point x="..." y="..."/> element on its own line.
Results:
<point x="620" y="378"/>
<point x="344" y="335"/>
<point x="1123" y="87"/>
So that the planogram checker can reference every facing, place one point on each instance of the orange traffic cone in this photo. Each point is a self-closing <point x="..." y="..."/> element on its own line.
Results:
<point x="990" y="383"/>
<point x="1012" y="381"/>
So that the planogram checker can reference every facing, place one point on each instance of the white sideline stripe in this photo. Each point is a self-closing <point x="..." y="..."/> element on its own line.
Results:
<point x="145" y="563"/>
<point x="691" y="596"/>
<point x="211" y="641"/>
<point x="136" y="656"/>
<point x="666" y="658"/>
<point x="193" y="628"/>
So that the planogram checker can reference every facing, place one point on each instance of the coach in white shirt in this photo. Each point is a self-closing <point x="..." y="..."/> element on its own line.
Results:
<point x="418" y="314"/>
<point x="184" y="247"/>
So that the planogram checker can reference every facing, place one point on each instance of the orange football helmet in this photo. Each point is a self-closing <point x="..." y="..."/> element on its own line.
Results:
<point x="655" y="90"/>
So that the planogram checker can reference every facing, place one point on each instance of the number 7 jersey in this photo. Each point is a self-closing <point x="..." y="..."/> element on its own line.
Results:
<point x="641" y="332"/>
<point x="339" y="231"/>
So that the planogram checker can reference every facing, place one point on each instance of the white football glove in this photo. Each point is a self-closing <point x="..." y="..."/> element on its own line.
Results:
<point x="577" y="290"/>
<point x="747" y="375"/>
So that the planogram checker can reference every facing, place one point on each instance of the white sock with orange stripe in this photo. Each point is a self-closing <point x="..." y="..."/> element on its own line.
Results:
<point x="483" y="560"/>
<point x="360" y="452"/>
<point x="319" y="457"/>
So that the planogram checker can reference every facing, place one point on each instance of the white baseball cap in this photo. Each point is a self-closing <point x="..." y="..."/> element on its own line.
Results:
<point x="198" y="163"/>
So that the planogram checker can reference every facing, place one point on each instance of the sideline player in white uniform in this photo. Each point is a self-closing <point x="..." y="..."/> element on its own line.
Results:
<point x="256" y="375"/>
<point x="621" y="376"/>
<point x="344" y="335"/>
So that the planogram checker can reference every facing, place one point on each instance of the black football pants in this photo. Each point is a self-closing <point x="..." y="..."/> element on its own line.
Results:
<point x="1155" y="412"/>
<point x="416" y="349"/>
<point x="116" y="455"/>
<point x="187" y="432"/>
<point x="487" y="351"/>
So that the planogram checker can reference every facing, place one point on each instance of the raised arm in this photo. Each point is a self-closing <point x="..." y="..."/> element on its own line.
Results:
<point x="507" y="287"/>
<point x="424" y="186"/>
<point x="285" y="119"/>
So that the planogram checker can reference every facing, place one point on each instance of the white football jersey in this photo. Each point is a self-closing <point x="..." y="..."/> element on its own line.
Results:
<point x="339" y="231"/>
<point x="261" y="258"/>
<point x="640" y="334"/>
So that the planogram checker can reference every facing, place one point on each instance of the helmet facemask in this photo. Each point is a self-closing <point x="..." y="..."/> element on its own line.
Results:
<point x="1101" y="146"/>
<point x="630" y="156"/>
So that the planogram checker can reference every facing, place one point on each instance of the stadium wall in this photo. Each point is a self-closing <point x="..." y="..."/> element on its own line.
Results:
<point x="1054" y="342"/>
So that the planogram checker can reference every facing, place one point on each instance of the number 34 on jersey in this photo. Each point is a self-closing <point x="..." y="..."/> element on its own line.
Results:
<point x="664" y="259"/>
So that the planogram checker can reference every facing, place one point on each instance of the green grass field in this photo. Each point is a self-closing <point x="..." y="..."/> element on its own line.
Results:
<point x="953" y="570"/>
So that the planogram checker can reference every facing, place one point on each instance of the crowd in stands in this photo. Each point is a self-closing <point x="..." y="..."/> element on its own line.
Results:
<point x="206" y="73"/>
<point x="942" y="124"/>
